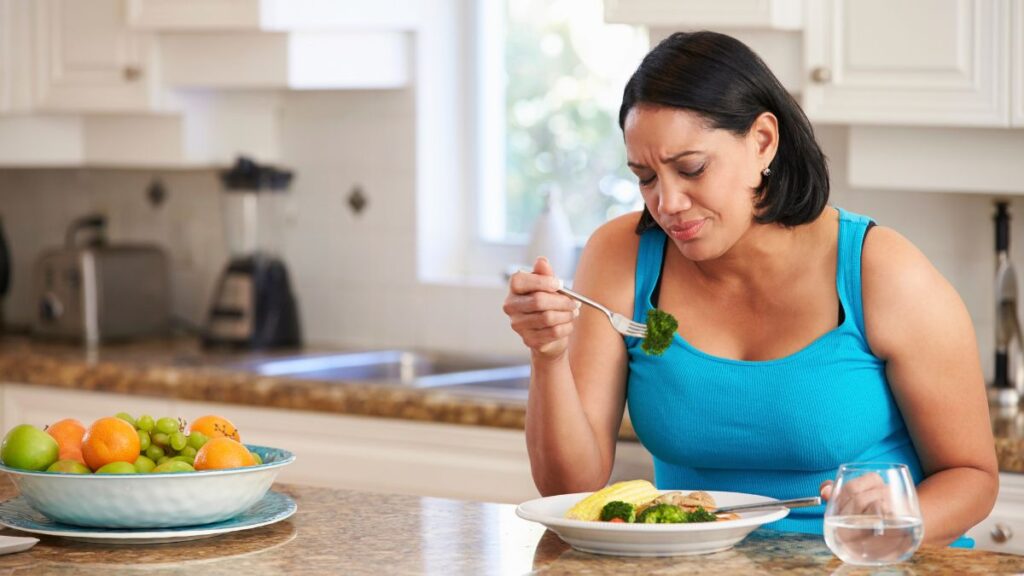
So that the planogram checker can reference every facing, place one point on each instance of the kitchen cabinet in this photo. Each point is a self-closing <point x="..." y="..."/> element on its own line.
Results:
<point x="275" y="15"/>
<point x="86" y="59"/>
<point x="41" y="406"/>
<point x="1017" y="63"/>
<point x="1003" y="530"/>
<point x="909" y="62"/>
<point x="694" y="14"/>
<point x="340" y="451"/>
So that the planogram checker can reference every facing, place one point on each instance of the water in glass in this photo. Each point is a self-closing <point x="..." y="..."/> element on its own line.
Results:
<point x="873" y="517"/>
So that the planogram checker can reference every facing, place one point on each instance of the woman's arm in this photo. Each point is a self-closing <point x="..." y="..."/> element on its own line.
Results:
<point x="578" y="376"/>
<point x="916" y="322"/>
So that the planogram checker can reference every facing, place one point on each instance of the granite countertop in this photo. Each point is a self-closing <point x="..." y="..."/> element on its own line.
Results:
<point x="341" y="531"/>
<point x="181" y="369"/>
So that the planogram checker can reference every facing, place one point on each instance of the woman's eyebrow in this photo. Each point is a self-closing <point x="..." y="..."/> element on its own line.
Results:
<point x="672" y="158"/>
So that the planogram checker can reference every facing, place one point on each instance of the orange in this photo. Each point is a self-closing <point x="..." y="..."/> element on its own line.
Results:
<point x="214" y="426"/>
<point x="68" y="434"/>
<point x="109" y="440"/>
<point x="222" y="452"/>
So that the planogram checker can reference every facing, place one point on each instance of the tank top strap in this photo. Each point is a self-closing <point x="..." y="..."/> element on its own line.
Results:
<point x="648" y="267"/>
<point x="852" y="228"/>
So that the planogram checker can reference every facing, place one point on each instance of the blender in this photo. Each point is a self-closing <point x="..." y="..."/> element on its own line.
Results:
<point x="253" y="305"/>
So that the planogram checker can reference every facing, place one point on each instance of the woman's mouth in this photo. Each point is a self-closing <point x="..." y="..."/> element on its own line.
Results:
<point x="687" y="230"/>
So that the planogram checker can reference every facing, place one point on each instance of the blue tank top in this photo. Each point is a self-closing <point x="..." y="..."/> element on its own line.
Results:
<point x="774" y="427"/>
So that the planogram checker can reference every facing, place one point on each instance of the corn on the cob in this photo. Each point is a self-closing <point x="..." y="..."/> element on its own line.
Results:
<point x="635" y="492"/>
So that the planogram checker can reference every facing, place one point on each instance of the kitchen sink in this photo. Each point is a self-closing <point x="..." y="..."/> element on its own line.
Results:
<point x="460" y="373"/>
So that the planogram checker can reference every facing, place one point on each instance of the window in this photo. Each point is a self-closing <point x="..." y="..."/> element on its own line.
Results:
<point x="551" y="75"/>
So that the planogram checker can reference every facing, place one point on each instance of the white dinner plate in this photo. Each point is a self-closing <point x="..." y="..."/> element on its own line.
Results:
<point x="621" y="539"/>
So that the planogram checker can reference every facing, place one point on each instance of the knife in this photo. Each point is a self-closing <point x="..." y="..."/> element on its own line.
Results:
<point x="793" y="503"/>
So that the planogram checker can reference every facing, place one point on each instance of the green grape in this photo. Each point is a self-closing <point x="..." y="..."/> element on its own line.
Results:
<point x="126" y="417"/>
<point x="256" y="458"/>
<point x="178" y="441"/>
<point x="144" y="465"/>
<point x="117" y="468"/>
<point x="144" y="440"/>
<point x="145" y="422"/>
<point x="188" y="452"/>
<point x="185" y="459"/>
<point x="167" y="425"/>
<point x="173" y="466"/>
<point x="154" y="452"/>
<point x="161" y="439"/>
<point x="163" y="459"/>
<point x="197" y="439"/>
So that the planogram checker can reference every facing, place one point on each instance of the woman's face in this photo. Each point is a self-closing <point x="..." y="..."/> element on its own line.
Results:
<point x="697" y="182"/>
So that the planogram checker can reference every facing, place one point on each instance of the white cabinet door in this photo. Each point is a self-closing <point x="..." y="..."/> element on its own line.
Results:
<point x="1003" y="530"/>
<point x="43" y="405"/>
<point x="915" y="62"/>
<point x="1017" y="62"/>
<point x="15" y="66"/>
<point x="691" y="14"/>
<point x="86" y="59"/>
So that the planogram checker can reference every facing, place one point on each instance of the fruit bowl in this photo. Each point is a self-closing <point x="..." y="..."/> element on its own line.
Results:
<point x="150" y="500"/>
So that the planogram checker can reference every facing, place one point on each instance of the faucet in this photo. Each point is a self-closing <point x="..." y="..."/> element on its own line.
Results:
<point x="1009" y="369"/>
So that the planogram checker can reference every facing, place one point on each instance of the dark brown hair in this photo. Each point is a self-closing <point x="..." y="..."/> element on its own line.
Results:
<point x="728" y="85"/>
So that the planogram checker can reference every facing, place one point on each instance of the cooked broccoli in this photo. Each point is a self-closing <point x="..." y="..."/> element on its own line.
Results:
<point x="662" y="514"/>
<point x="661" y="327"/>
<point x="700" y="515"/>
<point x="618" y="510"/>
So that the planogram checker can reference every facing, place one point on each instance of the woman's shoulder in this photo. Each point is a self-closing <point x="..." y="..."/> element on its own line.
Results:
<point x="616" y="239"/>
<point x="888" y="255"/>
<point x="609" y="258"/>
<point x="902" y="291"/>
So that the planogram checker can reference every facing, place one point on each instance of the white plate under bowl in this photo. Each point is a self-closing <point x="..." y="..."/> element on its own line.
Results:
<point x="150" y="500"/>
<point x="621" y="539"/>
<point x="273" y="507"/>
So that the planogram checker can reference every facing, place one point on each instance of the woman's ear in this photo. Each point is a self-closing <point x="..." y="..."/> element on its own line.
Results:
<point x="764" y="133"/>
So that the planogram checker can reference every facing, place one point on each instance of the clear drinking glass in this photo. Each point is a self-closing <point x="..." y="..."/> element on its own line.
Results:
<point x="873" y="517"/>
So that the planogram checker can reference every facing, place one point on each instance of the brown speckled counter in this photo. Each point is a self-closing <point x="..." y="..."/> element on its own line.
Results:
<point x="344" y="532"/>
<point x="1008" y="429"/>
<point x="181" y="369"/>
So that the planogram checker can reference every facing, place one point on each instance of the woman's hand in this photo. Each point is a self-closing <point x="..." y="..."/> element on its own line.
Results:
<point x="867" y="494"/>
<point x="541" y="316"/>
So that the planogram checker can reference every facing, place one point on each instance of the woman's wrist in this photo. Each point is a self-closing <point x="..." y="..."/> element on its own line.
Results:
<point x="543" y="361"/>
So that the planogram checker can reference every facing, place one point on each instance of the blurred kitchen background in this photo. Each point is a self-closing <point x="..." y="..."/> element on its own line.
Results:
<point x="447" y="121"/>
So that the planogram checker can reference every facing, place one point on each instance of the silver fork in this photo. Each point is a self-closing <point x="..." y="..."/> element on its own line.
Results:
<point x="622" y="325"/>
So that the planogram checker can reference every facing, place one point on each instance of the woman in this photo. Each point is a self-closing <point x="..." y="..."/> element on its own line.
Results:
<point x="807" y="338"/>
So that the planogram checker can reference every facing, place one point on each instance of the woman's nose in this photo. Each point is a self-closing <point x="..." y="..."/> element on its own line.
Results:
<point x="674" y="199"/>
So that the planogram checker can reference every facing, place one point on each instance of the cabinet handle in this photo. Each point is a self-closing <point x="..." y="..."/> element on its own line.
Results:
<point x="821" y="75"/>
<point x="1001" y="533"/>
<point x="132" y="73"/>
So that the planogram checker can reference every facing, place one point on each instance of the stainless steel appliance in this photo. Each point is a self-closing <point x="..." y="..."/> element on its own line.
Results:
<point x="253" y="306"/>
<point x="97" y="291"/>
<point x="1009" y="366"/>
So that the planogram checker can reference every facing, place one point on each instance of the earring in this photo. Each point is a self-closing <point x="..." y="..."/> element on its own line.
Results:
<point x="766" y="172"/>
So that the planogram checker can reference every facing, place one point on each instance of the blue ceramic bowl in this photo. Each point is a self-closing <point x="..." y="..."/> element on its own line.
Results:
<point x="150" y="500"/>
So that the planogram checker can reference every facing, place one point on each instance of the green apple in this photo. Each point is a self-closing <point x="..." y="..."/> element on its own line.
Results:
<point x="117" y="468"/>
<point x="29" y="448"/>
<point x="69" y="467"/>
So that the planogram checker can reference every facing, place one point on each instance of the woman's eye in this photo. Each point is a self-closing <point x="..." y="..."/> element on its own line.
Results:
<point x="647" y="181"/>
<point x="693" y="173"/>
